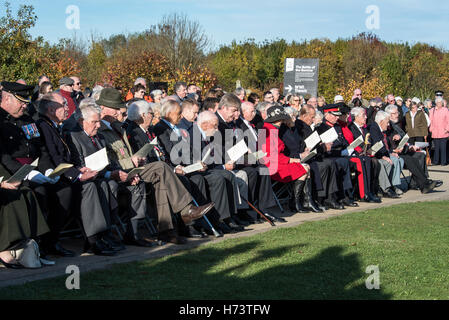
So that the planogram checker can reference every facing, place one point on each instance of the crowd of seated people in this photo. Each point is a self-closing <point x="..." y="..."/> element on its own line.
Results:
<point x="190" y="183"/>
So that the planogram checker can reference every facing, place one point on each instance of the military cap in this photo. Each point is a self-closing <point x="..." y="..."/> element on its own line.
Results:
<point x="439" y="93"/>
<point x="111" y="98"/>
<point x="21" y="91"/>
<point x="332" y="108"/>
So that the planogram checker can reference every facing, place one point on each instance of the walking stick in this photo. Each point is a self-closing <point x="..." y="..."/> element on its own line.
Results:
<point x="260" y="213"/>
<point x="216" y="233"/>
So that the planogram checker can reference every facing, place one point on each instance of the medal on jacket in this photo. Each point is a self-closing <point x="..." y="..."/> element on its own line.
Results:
<point x="122" y="151"/>
<point x="31" y="131"/>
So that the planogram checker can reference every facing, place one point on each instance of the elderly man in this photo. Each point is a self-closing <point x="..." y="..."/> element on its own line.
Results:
<point x="276" y="94"/>
<point x="97" y="203"/>
<point x="327" y="170"/>
<point x="180" y="89"/>
<point x="261" y="114"/>
<point x="337" y="153"/>
<point x="170" y="194"/>
<point x="258" y="183"/>
<point x="313" y="101"/>
<point x="21" y="143"/>
<point x="66" y="90"/>
<point x="439" y="128"/>
<point x="386" y="155"/>
<point x="262" y="190"/>
<point x="414" y="159"/>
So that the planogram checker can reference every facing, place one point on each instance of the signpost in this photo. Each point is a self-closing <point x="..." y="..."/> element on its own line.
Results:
<point x="301" y="76"/>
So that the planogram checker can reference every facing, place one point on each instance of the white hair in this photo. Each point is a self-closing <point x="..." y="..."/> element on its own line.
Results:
<point x="245" y="105"/>
<point x="263" y="106"/>
<point x="206" y="116"/>
<point x="390" y="108"/>
<point x="137" y="109"/>
<point x="439" y="99"/>
<point x="381" y="116"/>
<point x="319" y="114"/>
<point x="168" y="106"/>
<point x="356" y="111"/>
<point x="96" y="92"/>
<point x="86" y="108"/>
<point x="292" y="112"/>
<point x="156" y="92"/>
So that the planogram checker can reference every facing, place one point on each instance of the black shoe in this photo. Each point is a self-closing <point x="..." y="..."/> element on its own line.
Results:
<point x="372" y="198"/>
<point x="391" y="194"/>
<point x="139" y="242"/>
<point x="429" y="187"/>
<point x="439" y="183"/>
<point x="331" y="204"/>
<point x="245" y="216"/>
<point x="240" y="222"/>
<point x="101" y="249"/>
<point x="234" y="226"/>
<point x="349" y="203"/>
<point x="113" y="244"/>
<point x="58" y="250"/>
<point x="193" y="232"/>
<point x="224" y="228"/>
<point x="274" y="218"/>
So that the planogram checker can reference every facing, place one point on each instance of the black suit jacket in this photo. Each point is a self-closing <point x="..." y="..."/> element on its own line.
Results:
<point x="168" y="140"/>
<point x="338" y="145"/>
<point x="81" y="146"/>
<point x="376" y="135"/>
<point x="57" y="146"/>
<point x="138" y="138"/>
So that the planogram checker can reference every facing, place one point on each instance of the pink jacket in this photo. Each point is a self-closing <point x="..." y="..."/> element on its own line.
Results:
<point x="439" y="122"/>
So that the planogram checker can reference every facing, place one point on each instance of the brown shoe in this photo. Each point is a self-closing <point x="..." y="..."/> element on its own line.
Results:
<point x="197" y="212"/>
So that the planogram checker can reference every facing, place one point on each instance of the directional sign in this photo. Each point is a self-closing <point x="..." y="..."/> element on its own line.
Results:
<point x="301" y="76"/>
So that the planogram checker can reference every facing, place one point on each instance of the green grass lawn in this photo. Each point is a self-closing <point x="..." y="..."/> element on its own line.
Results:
<point x="316" y="260"/>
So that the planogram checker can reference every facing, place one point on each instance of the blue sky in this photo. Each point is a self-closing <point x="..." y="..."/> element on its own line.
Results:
<point x="226" y="20"/>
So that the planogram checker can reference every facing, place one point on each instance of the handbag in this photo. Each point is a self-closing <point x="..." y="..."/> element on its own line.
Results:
<point x="27" y="254"/>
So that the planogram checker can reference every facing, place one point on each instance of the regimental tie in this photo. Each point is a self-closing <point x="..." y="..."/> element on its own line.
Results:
<point x="94" y="142"/>
<point x="386" y="142"/>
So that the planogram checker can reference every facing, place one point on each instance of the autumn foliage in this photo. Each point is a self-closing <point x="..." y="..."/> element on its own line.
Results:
<point x="174" y="50"/>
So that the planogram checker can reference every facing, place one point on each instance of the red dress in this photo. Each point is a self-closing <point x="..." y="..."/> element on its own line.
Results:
<point x="277" y="162"/>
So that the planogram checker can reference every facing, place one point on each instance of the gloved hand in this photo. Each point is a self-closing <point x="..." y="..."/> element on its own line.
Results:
<point x="37" y="177"/>
<point x="347" y="152"/>
<point x="54" y="180"/>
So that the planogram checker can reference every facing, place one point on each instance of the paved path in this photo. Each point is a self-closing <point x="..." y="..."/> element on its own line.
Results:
<point x="88" y="262"/>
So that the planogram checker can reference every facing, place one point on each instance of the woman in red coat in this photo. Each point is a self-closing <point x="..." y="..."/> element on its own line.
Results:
<point x="282" y="168"/>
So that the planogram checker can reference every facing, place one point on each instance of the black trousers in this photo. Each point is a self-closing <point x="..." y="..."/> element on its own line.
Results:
<point x="418" y="173"/>
<point x="55" y="201"/>
<point x="439" y="154"/>
<point x="259" y="187"/>
<point x="328" y="175"/>
<point x="221" y="185"/>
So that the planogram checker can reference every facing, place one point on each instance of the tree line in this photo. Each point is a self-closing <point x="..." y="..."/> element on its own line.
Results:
<point x="177" y="48"/>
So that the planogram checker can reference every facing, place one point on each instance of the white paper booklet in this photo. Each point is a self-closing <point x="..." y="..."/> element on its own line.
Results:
<point x="376" y="147"/>
<point x="312" y="140"/>
<point x="238" y="151"/>
<point x="97" y="161"/>
<point x="329" y="136"/>
<point x="356" y="142"/>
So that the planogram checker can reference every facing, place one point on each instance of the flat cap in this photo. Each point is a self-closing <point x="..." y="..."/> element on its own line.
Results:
<point x="66" y="81"/>
<point x="20" y="91"/>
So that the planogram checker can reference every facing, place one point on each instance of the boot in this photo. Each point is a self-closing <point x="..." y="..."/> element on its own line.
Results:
<point x="295" y="203"/>
<point x="308" y="199"/>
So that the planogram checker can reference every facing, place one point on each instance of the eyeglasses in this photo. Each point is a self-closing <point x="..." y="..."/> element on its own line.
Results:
<point x="78" y="83"/>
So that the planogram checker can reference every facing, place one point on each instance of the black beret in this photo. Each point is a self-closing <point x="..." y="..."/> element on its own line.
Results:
<point x="20" y="91"/>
